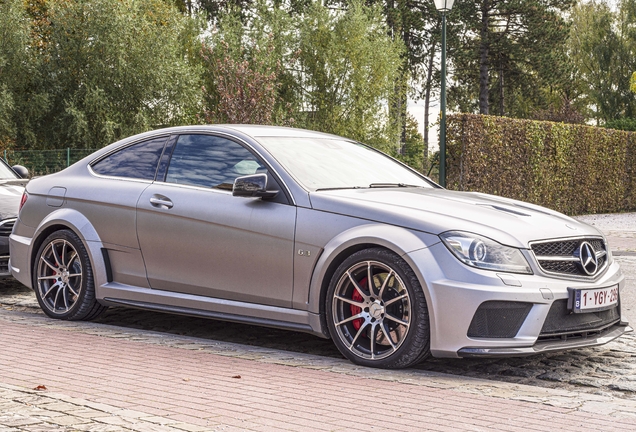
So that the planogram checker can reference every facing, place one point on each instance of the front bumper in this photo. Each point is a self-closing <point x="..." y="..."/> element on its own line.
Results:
<point x="454" y="293"/>
<point x="547" y="346"/>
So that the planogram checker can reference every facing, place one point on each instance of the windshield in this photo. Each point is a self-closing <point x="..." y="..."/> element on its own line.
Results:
<point x="323" y="163"/>
<point x="6" y="173"/>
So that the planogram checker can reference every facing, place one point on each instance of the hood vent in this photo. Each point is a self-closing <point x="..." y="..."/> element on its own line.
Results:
<point x="505" y="209"/>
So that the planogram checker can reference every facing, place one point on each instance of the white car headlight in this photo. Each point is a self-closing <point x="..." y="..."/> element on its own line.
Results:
<point x="484" y="253"/>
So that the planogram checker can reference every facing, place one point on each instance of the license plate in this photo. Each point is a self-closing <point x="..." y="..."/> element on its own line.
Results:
<point x="592" y="300"/>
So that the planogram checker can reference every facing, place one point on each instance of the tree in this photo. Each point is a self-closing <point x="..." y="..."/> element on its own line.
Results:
<point x="246" y="92"/>
<point x="632" y="83"/>
<point x="505" y="53"/>
<point x="117" y="67"/>
<point x="603" y="48"/>
<point x="347" y="67"/>
<point x="412" y="151"/>
<point x="333" y="70"/>
<point x="19" y="102"/>
<point x="253" y="47"/>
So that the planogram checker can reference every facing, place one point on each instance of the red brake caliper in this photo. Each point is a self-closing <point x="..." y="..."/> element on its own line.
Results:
<point x="355" y="310"/>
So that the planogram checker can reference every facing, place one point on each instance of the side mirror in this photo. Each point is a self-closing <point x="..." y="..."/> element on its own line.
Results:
<point x="254" y="185"/>
<point x="21" y="171"/>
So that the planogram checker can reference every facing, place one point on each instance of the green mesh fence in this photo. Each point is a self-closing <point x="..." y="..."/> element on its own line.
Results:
<point x="41" y="162"/>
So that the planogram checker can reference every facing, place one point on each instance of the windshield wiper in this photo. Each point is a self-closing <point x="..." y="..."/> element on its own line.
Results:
<point x="372" y="185"/>
<point x="390" y="185"/>
<point x="339" y="188"/>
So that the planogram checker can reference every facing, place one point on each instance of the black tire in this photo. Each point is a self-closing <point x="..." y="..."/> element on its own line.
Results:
<point x="384" y="324"/>
<point x="63" y="278"/>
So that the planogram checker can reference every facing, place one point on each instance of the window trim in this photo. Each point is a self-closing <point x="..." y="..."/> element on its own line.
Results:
<point x="120" y="148"/>
<point x="242" y="143"/>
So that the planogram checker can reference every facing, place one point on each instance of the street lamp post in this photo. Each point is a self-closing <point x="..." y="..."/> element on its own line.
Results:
<point x="444" y="6"/>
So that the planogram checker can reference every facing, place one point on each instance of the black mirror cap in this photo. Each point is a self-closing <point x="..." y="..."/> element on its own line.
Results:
<point x="254" y="185"/>
<point x="21" y="171"/>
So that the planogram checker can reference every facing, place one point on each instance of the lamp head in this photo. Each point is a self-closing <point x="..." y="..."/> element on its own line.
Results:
<point x="444" y="6"/>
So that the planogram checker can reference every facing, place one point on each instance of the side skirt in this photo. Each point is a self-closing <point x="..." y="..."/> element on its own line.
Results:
<point x="116" y="294"/>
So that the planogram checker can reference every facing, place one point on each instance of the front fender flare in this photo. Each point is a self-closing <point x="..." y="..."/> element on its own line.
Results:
<point x="397" y="239"/>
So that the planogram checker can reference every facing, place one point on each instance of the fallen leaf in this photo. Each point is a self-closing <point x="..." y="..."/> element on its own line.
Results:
<point x="40" y="388"/>
<point x="186" y="379"/>
<point x="236" y="376"/>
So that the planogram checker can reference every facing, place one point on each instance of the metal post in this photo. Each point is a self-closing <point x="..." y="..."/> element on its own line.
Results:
<point x="68" y="157"/>
<point x="442" y="124"/>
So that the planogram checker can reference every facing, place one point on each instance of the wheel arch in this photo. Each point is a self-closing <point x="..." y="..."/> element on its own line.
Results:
<point x="68" y="219"/>
<point x="395" y="239"/>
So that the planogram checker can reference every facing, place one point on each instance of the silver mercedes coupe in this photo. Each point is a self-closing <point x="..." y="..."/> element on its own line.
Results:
<point x="312" y="232"/>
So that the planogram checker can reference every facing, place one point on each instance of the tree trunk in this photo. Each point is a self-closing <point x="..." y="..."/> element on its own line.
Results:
<point x="483" y="59"/>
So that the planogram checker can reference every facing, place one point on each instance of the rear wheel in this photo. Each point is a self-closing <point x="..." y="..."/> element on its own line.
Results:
<point x="376" y="311"/>
<point x="63" y="278"/>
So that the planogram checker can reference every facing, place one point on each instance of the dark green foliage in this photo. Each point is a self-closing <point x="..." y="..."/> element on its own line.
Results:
<point x="504" y="53"/>
<point x="115" y="68"/>
<point x="626" y="124"/>
<point x="602" y="46"/>
<point x="21" y="101"/>
<point x="412" y="151"/>
<point x="322" y="70"/>
<point x="86" y="73"/>
<point x="574" y="169"/>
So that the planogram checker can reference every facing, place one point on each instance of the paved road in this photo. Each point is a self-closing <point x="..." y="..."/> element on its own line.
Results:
<point x="98" y="377"/>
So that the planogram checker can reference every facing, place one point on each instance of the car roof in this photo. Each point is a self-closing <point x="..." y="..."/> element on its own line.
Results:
<point x="254" y="131"/>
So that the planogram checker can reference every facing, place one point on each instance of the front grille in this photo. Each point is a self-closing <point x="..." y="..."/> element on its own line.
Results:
<point x="6" y="226"/>
<point x="562" y="322"/>
<point x="565" y="248"/>
<point x="561" y="257"/>
<point x="565" y="267"/>
<point x="498" y="319"/>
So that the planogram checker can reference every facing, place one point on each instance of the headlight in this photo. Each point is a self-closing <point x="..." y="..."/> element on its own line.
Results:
<point x="484" y="253"/>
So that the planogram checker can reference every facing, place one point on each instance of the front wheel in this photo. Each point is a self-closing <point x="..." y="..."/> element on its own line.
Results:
<point x="376" y="311"/>
<point x="63" y="278"/>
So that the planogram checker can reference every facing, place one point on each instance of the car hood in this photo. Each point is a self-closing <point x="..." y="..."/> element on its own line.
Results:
<point x="10" y="195"/>
<point x="510" y="222"/>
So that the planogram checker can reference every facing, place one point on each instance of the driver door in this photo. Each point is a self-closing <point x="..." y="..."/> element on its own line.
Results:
<point x="196" y="238"/>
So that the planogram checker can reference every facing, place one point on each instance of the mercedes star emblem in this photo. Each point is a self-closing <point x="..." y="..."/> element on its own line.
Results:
<point x="588" y="258"/>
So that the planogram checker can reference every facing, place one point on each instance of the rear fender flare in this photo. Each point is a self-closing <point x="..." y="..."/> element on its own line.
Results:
<point x="75" y="221"/>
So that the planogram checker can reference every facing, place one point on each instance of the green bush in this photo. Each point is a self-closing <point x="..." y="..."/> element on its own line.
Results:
<point x="574" y="169"/>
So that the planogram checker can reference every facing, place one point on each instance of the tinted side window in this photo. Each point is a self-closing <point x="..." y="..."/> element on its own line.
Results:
<point x="210" y="161"/>
<point x="136" y="161"/>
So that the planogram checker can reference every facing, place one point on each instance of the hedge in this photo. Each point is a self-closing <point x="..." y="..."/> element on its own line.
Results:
<point x="574" y="169"/>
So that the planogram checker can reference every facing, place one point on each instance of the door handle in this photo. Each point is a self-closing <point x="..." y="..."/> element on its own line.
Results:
<point x="161" y="201"/>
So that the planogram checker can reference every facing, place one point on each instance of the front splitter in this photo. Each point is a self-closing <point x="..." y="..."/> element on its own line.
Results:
<point x="548" y="346"/>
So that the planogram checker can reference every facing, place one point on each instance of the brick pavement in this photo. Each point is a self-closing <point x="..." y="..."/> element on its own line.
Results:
<point x="110" y="383"/>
